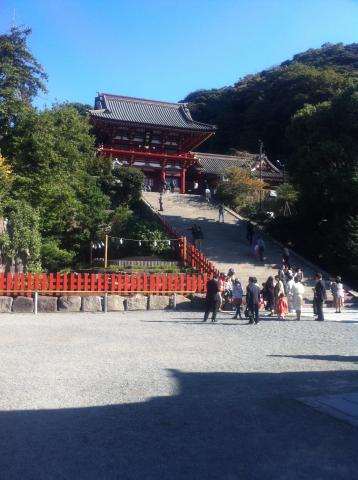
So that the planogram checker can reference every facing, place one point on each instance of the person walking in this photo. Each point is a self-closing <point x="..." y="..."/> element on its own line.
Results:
<point x="221" y="213"/>
<point x="261" y="248"/>
<point x="212" y="299"/>
<point x="298" y="291"/>
<point x="199" y="238"/>
<point x="237" y="294"/>
<point x="172" y="186"/>
<point x="319" y="296"/>
<point x="207" y="194"/>
<point x="270" y="295"/>
<point x="194" y="233"/>
<point x="253" y="300"/>
<point x="249" y="232"/>
<point x="286" y="256"/>
<point x="338" y="294"/>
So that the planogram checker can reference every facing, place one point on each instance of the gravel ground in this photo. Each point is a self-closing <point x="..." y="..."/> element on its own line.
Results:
<point x="148" y="395"/>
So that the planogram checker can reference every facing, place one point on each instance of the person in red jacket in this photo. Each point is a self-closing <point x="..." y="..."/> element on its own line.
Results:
<point x="282" y="307"/>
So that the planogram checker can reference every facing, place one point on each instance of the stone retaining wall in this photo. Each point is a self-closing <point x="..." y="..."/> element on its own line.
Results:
<point x="97" y="303"/>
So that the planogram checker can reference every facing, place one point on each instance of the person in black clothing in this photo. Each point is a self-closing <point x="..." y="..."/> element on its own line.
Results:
<point x="253" y="300"/>
<point x="199" y="238"/>
<point x="270" y="295"/>
<point x="319" y="297"/>
<point x="194" y="233"/>
<point x="249" y="232"/>
<point x="212" y="301"/>
<point x="172" y="186"/>
<point x="286" y="256"/>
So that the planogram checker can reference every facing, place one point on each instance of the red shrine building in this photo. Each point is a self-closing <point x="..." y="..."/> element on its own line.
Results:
<point x="160" y="139"/>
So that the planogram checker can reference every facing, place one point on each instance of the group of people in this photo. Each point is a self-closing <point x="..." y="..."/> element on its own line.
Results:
<point x="280" y="295"/>
<point x="168" y="186"/>
<point x="227" y="288"/>
<point x="283" y="293"/>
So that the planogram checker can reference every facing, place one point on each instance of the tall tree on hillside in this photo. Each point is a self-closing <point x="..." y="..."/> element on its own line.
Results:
<point x="21" y="76"/>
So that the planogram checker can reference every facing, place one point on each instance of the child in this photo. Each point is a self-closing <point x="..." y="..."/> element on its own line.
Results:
<point x="282" y="307"/>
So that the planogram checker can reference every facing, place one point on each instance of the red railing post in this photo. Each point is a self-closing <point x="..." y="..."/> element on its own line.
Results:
<point x="79" y="284"/>
<point x="2" y="283"/>
<point x="28" y="284"/>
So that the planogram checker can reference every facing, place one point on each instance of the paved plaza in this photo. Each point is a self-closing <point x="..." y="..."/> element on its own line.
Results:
<point x="160" y="395"/>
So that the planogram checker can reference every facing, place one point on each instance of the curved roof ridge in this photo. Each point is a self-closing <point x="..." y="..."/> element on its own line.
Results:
<point x="147" y="112"/>
<point x="221" y="155"/>
<point x="143" y="100"/>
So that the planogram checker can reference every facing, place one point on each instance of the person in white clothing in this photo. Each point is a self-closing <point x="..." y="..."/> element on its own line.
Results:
<point x="338" y="294"/>
<point x="297" y="293"/>
<point x="289" y="286"/>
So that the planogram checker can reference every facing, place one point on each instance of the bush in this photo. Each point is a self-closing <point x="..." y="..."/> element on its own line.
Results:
<point x="55" y="258"/>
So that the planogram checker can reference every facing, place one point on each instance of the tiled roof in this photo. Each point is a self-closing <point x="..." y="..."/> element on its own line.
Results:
<point x="149" y="112"/>
<point x="216" y="164"/>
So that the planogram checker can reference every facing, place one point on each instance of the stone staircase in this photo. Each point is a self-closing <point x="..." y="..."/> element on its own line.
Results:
<point x="225" y="243"/>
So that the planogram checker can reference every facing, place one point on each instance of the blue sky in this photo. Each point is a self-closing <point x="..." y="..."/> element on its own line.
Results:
<point x="165" y="49"/>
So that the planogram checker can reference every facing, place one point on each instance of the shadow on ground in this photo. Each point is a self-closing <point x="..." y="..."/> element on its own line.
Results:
<point x="218" y="426"/>
<point x="326" y="358"/>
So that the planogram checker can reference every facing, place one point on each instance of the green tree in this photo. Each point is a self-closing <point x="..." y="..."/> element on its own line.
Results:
<point x="287" y="196"/>
<point x="55" y="258"/>
<point x="123" y="185"/>
<point x="51" y="154"/>
<point x="6" y="179"/>
<point x="21" y="76"/>
<point x="240" y="190"/>
<point x="22" y="238"/>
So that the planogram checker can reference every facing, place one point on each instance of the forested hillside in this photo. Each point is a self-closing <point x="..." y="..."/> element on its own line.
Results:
<point x="262" y="105"/>
<point x="306" y="113"/>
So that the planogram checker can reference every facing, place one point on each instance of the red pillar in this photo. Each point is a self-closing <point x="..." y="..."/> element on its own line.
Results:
<point x="182" y="180"/>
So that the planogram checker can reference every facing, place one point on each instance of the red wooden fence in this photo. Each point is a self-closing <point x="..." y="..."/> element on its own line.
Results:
<point x="91" y="283"/>
<point x="188" y="253"/>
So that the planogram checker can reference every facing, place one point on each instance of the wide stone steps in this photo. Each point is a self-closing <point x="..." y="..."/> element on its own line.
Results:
<point x="225" y="243"/>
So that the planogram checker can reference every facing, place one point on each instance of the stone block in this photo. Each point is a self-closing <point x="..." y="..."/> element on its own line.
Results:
<point x="23" y="305"/>
<point x="5" y="304"/>
<point x="46" y="304"/>
<point x="137" y="302"/>
<point x="92" y="304"/>
<point x="157" y="302"/>
<point x="182" y="302"/>
<point x="69" y="304"/>
<point x="198" y="301"/>
<point x="115" y="303"/>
